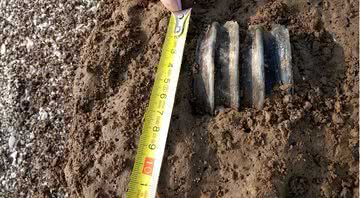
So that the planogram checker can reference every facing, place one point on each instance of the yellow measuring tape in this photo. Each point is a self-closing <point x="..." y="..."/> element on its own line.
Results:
<point x="146" y="170"/>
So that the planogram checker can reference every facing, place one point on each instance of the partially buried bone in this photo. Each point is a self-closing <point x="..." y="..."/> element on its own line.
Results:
<point x="217" y="80"/>
<point x="278" y="58"/>
<point x="253" y="79"/>
<point x="266" y="62"/>
<point x="283" y="50"/>
<point x="204" y="78"/>
<point x="227" y="66"/>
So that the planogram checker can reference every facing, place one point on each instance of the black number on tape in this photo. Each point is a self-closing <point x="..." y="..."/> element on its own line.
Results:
<point x="162" y="96"/>
<point x="152" y="146"/>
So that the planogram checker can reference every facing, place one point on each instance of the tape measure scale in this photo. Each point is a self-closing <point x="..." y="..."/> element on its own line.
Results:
<point x="146" y="170"/>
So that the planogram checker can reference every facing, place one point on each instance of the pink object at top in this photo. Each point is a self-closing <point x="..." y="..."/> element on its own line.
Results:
<point x="172" y="5"/>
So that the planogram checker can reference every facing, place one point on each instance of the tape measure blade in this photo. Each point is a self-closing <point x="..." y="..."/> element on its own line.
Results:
<point x="146" y="170"/>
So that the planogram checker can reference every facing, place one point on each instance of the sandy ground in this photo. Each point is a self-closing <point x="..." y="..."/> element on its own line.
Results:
<point x="300" y="145"/>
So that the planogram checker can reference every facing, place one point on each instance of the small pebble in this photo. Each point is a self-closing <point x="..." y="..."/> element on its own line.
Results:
<point x="307" y="105"/>
<point x="12" y="142"/>
<point x="337" y="119"/>
<point x="287" y="99"/>
<point x="3" y="49"/>
<point x="267" y="116"/>
<point x="337" y="106"/>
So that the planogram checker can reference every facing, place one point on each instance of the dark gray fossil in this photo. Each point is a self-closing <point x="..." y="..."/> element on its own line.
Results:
<point x="220" y="81"/>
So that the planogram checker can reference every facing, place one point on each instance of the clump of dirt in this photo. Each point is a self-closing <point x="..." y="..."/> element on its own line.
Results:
<point x="300" y="145"/>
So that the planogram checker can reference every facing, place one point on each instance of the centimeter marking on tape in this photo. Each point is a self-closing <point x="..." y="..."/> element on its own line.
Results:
<point x="146" y="170"/>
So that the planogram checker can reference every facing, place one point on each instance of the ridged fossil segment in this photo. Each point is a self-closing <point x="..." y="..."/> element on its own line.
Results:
<point x="253" y="79"/>
<point x="266" y="62"/>
<point x="216" y="82"/>
<point x="227" y="66"/>
<point x="278" y="57"/>
<point x="283" y="50"/>
<point x="204" y="78"/>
